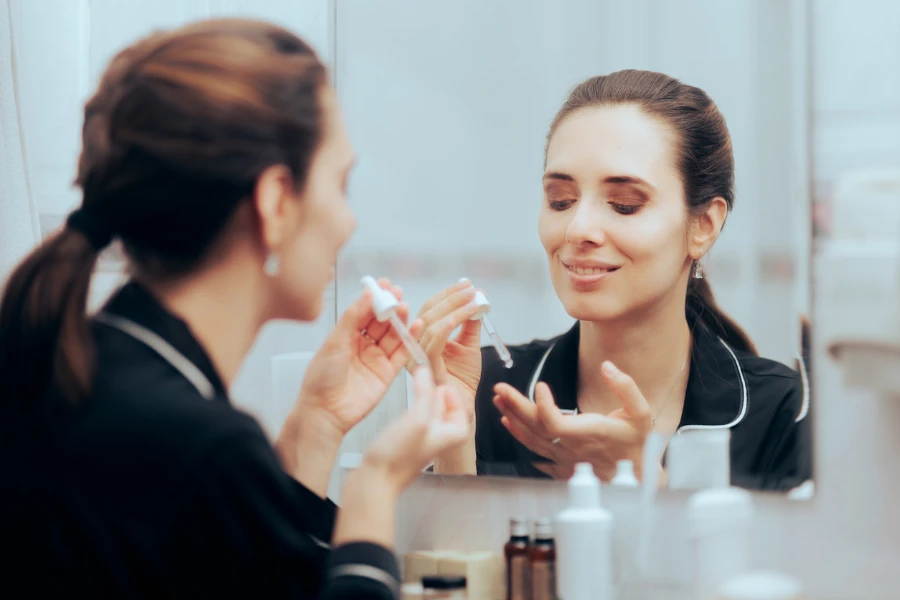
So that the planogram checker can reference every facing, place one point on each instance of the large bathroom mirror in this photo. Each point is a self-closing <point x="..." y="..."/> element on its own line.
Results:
<point x="583" y="246"/>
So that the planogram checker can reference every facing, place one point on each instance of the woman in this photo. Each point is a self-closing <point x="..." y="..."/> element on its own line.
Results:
<point x="216" y="153"/>
<point x="639" y="177"/>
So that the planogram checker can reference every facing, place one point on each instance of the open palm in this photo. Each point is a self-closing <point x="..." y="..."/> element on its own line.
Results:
<point x="355" y="365"/>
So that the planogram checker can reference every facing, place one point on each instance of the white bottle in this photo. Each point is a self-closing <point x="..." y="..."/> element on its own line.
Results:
<point x="719" y="522"/>
<point x="699" y="459"/>
<point x="584" y="541"/>
<point x="625" y="474"/>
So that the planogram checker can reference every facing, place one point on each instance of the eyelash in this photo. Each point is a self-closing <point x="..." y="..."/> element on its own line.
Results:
<point x="622" y="209"/>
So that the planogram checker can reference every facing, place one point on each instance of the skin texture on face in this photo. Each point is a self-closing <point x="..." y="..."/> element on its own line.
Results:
<point x="308" y="230"/>
<point x="614" y="222"/>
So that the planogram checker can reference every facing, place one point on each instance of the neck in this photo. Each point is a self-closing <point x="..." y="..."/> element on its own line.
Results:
<point x="651" y="347"/>
<point x="224" y="320"/>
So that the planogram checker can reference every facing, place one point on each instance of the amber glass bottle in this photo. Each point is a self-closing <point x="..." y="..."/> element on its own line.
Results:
<point x="543" y="561"/>
<point x="517" y="552"/>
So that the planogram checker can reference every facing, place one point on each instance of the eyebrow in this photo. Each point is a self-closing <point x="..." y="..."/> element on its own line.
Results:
<point x="612" y="180"/>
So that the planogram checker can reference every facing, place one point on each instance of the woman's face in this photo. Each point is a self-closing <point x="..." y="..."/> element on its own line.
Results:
<point x="614" y="221"/>
<point x="323" y="222"/>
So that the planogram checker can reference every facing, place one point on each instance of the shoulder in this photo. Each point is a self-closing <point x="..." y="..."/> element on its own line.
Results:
<point x="773" y="385"/>
<point x="772" y="379"/>
<point x="139" y="400"/>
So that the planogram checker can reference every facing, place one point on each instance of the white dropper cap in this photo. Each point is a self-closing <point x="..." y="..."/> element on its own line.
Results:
<point x="383" y="302"/>
<point x="484" y="307"/>
<point x="625" y="474"/>
<point x="584" y="487"/>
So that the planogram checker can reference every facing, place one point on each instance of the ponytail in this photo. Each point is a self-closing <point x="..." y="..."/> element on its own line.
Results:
<point x="702" y="303"/>
<point x="44" y="339"/>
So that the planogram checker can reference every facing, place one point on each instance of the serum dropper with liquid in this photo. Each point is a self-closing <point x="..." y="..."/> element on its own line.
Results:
<point x="484" y="307"/>
<point x="385" y="305"/>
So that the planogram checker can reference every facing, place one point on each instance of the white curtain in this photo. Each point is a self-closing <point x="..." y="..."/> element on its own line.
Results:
<point x="19" y="225"/>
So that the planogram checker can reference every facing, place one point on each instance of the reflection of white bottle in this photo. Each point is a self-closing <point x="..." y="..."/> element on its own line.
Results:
<point x="719" y="522"/>
<point x="699" y="459"/>
<point x="625" y="474"/>
<point x="584" y="541"/>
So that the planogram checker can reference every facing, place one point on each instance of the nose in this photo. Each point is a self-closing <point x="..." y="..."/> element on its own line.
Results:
<point x="585" y="228"/>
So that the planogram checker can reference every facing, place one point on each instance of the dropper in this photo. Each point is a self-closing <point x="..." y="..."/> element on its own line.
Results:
<point x="385" y="306"/>
<point x="484" y="307"/>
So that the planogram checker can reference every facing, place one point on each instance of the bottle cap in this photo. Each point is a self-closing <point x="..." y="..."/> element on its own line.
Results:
<point x="518" y="527"/>
<point x="584" y="487"/>
<point x="484" y="307"/>
<point x="761" y="585"/>
<point x="444" y="582"/>
<point x="625" y="474"/>
<point x="383" y="302"/>
<point x="543" y="529"/>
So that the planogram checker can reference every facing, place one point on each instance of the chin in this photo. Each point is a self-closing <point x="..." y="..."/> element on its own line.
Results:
<point x="596" y="306"/>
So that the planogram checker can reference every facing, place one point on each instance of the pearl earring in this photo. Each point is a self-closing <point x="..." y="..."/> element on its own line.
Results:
<point x="698" y="270"/>
<point x="272" y="264"/>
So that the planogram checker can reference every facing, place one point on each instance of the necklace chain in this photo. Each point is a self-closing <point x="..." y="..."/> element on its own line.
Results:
<point x="671" y="389"/>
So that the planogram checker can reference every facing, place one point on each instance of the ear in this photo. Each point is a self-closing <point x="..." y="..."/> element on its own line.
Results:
<point x="706" y="227"/>
<point x="272" y="198"/>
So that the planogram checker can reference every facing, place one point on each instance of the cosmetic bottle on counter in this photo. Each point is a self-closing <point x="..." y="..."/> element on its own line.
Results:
<point x="720" y="522"/>
<point x="516" y="551"/>
<point x="584" y="541"/>
<point x="543" y="561"/>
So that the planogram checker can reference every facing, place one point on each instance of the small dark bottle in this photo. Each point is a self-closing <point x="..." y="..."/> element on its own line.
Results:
<point x="518" y="561"/>
<point x="543" y="561"/>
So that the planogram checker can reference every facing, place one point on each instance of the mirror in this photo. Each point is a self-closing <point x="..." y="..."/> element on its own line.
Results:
<point x="449" y="106"/>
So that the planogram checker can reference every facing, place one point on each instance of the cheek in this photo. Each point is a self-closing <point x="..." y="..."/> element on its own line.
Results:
<point x="656" y="244"/>
<point x="551" y="230"/>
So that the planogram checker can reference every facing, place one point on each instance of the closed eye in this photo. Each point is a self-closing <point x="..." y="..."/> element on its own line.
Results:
<point x="625" y="209"/>
<point x="560" y="204"/>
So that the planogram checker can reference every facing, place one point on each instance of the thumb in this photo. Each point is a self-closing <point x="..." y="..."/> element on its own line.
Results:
<point x="357" y="315"/>
<point x="469" y="333"/>
<point x="633" y="402"/>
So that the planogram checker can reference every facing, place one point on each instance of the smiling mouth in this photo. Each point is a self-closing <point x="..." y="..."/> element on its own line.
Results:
<point x="589" y="270"/>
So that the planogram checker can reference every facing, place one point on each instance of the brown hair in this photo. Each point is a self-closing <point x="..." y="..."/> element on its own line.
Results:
<point x="704" y="155"/>
<point x="180" y="129"/>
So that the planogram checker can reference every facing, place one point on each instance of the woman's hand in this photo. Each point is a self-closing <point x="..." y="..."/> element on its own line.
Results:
<point x="597" y="439"/>
<point x="355" y="366"/>
<point x="435" y="424"/>
<point x="344" y="381"/>
<point x="455" y="362"/>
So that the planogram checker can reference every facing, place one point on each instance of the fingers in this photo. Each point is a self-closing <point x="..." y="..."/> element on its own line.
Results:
<point x="448" y="305"/>
<point x="633" y="402"/>
<point x="444" y="294"/>
<point x="470" y="333"/>
<point x="513" y="403"/>
<point x="423" y="407"/>
<point x="520" y="431"/>
<point x="435" y="338"/>
<point x="548" y="413"/>
<point x="375" y="329"/>
<point x="452" y="428"/>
